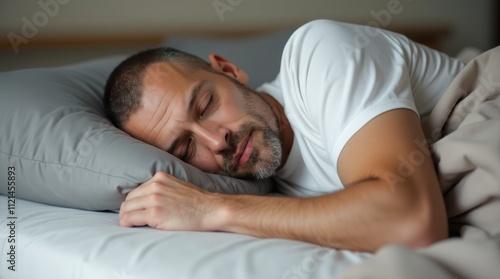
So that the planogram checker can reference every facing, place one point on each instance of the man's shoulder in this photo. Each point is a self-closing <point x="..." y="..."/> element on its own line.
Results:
<point x="343" y="37"/>
<point x="318" y="28"/>
<point x="320" y="25"/>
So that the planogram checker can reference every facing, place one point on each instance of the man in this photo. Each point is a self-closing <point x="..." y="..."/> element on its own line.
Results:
<point x="339" y="129"/>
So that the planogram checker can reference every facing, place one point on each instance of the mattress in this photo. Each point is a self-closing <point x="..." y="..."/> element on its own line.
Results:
<point x="56" y="242"/>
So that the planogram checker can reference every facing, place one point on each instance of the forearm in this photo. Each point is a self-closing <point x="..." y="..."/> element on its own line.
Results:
<point x="362" y="217"/>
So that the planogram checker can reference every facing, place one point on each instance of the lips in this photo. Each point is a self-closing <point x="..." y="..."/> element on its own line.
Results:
<point x="244" y="151"/>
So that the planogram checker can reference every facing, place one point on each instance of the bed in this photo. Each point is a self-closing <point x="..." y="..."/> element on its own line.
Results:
<point x="64" y="170"/>
<point x="56" y="242"/>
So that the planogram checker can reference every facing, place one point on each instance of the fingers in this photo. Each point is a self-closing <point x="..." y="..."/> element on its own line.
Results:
<point x="140" y="203"/>
<point x="159" y="184"/>
<point x="133" y="219"/>
<point x="142" y="211"/>
<point x="153" y="185"/>
<point x="165" y="202"/>
<point x="145" y="217"/>
<point x="144" y="200"/>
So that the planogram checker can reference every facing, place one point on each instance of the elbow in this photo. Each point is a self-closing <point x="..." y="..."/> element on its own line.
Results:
<point x="425" y="229"/>
<point x="424" y="219"/>
<point x="427" y="236"/>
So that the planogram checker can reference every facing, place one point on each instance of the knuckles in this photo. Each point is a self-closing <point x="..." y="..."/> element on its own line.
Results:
<point x="161" y="175"/>
<point x="156" y="215"/>
<point x="156" y="212"/>
<point x="156" y="198"/>
<point x="157" y="186"/>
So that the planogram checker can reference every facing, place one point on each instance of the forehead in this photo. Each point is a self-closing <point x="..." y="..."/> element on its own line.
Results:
<point x="162" y="84"/>
<point x="162" y="74"/>
<point x="166" y="91"/>
<point x="165" y="83"/>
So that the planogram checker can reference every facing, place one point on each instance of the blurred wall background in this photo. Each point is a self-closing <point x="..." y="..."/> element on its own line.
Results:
<point x="36" y="33"/>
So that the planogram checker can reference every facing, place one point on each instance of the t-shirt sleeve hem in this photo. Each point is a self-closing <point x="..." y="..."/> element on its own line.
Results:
<point x="363" y="118"/>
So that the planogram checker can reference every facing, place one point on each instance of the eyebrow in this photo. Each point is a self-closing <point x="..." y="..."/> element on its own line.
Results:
<point x="194" y="96"/>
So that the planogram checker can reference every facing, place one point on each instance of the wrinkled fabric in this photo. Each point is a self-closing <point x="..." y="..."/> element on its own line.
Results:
<point x="463" y="131"/>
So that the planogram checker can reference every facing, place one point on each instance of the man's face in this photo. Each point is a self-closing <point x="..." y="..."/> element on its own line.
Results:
<point x="208" y="120"/>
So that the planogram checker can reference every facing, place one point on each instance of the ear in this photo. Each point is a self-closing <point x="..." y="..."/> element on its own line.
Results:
<point x="226" y="67"/>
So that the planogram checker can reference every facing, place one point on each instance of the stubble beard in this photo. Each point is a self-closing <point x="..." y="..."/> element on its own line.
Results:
<point x="263" y="162"/>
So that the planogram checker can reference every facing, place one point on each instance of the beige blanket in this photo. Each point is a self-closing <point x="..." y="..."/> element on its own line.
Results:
<point x="464" y="132"/>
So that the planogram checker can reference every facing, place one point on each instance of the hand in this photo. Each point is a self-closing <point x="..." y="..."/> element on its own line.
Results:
<point x="168" y="203"/>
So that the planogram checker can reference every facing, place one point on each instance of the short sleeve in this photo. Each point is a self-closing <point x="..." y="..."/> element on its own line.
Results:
<point x="337" y="77"/>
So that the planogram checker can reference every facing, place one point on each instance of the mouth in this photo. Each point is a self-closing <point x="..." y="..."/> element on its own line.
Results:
<point x="244" y="151"/>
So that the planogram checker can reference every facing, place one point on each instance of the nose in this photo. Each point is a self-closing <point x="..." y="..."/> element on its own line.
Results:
<point x="213" y="136"/>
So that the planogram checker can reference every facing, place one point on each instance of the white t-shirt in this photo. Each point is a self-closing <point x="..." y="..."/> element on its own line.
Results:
<point x="336" y="77"/>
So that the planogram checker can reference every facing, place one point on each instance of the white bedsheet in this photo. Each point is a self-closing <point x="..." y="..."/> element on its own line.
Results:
<point x="54" y="242"/>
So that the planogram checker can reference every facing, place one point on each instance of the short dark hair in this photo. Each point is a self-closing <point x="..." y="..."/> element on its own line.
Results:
<point x="123" y="91"/>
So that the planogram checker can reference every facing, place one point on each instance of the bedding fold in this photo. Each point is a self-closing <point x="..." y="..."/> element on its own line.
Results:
<point x="463" y="131"/>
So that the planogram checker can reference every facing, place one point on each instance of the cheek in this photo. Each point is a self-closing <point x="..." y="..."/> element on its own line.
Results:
<point x="233" y="111"/>
<point x="229" y="117"/>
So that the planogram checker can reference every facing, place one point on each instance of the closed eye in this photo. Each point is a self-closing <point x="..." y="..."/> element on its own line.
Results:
<point x="188" y="150"/>
<point x="209" y="104"/>
<point x="206" y="106"/>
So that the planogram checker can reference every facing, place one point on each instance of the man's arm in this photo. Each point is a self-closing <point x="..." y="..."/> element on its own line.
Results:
<point x="386" y="201"/>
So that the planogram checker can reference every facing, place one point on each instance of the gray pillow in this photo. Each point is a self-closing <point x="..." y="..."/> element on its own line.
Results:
<point x="259" y="55"/>
<point x="63" y="151"/>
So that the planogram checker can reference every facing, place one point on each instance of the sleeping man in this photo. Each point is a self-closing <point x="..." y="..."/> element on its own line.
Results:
<point x="338" y="129"/>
